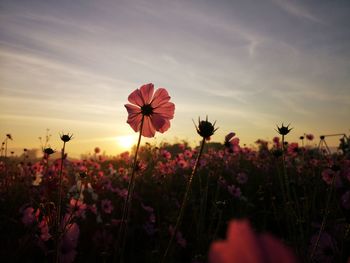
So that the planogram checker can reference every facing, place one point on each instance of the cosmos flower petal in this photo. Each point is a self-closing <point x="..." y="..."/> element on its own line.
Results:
<point x="134" y="121"/>
<point x="276" y="250"/>
<point x="132" y="109"/>
<point x="147" y="93"/>
<point x="158" y="121"/>
<point x="229" y="136"/>
<point x="243" y="245"/>
<point x="136" y="98"/>
<point x="157" y="113"/>
<point x="148" y="129"/>
<point x="165" y="127"/>
<point x="242" y="237"/>
<point x="160" y="96"/>
<point x="220" y="253"/>
<point x="166" y="110"/>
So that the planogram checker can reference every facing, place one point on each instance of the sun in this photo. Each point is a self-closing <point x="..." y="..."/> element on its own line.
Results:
<point x="126" y="142"/>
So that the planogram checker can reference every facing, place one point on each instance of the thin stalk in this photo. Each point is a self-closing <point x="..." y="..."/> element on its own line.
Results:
<point x="72" y="212"/>
<point x="5" y="147"/>
<point x="127" y="204"/>
<point x="285" y="171"/>
<point x="184" y="201"/>
<point x="323" y="220"/>
<point x="58" y="218"/>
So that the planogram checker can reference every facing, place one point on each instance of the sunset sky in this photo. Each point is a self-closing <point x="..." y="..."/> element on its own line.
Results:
<point x="70" y="65"/>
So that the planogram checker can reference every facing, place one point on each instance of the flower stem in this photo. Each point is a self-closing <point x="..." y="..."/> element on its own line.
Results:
<point x="326" y="212"/>
<point x="127" y="204"/>
<point x="58" y="218"/>
<point x="184" y="201"/>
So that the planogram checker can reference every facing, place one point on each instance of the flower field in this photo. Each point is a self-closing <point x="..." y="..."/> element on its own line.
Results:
<point x="229" y="184"/>
<point x="219" y="202"/>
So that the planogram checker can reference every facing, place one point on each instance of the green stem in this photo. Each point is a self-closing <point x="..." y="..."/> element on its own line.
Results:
<point x="58" y="218"/>
<point x="323" y="220"/>
<point x="184" y="201"/>
<point x="127" y="204"/>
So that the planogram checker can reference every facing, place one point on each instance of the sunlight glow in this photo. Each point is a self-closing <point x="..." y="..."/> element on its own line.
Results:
<point x="126" y="142"/>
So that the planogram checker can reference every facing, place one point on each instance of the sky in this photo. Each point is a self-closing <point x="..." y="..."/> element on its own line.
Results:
<point x="69" y="66"/>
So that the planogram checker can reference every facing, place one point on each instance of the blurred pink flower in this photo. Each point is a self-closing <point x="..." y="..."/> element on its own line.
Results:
<point x="231" y="143"/>
<point x="97" y="150"/>
<point x="179" y="237"/>
<point x="28" y="217"/>
<point x="234" y="191"/>
<point x="69" y="241"/>
<point x="166" y="154"/>
<point x="243" y="245"/>
<point x="293" y="149"/>
<point x="107" y="206"/>
<point x="242" y="178"/>
<point x="154" y="107"/>
<point x="327" y="175"/>
<point x="44" y="229"/>
<point x="310" y="136"/>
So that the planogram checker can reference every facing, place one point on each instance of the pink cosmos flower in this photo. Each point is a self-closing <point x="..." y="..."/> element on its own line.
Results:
<point x="69" y="241"/>
<point x="107" y="206"/>
<point x="179" y="237"/>
<point x="242" y="178"/>
<point x="153" y="107"/>
<point x="28" y="216"/>
<point x="234" y="191"/>
<point x="310" y="137"/>
<point x="97" y="150"/>
<point x="232" y="143"/>
<point x="243" y="245"/>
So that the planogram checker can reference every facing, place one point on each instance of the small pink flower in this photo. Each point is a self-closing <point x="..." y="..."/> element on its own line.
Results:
<point x="234" y="190"/>
<point x="166" y="154"/>
<point x="188" y="154"/>
<point x="182" y="163"/>
<point x="242" y="178"/>
<point x="28" y="216"/>
<point x="154" y="107"/>
<point x="179" y="238"/>
<point x="327" y="175"/>
<point x="276" y="140"/>
<point x="293" y="149"/>
<point x="310" y="136"/>
<point x="243" y="245"/>
<point x="97" y="150"/>
<point x="232" y="143"/>
<point x="107" y="206"/>
<point x="44" y="230"/>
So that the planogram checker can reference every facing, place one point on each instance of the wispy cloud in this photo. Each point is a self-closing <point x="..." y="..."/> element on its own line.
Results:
<point x="297" y="10"/>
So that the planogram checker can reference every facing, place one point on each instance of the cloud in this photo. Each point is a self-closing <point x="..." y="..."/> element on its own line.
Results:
<point x="292" y="8"/>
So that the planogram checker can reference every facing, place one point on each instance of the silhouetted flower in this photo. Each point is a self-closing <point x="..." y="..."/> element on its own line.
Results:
<point x="48" y="151"/>
<point x="107" y="206"/>
<point x="228" y="139"/>
<point x="66" y="137"/>
<point x="97" y="150"/>
<point x="284" y="130"/>
<point x="243" y="245"/>
<point x="205" y="128"/>
<point x="310" y="136"/>
<point x="9" y="136"/>
<point x="153" y="107"/>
